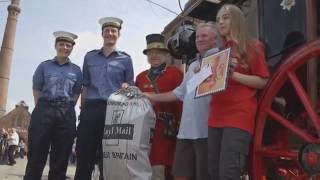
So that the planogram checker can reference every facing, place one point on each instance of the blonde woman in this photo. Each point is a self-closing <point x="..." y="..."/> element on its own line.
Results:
<point x="232" y="112"/>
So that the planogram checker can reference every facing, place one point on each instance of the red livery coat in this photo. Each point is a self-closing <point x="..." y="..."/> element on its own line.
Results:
<point x="163" y="148"/>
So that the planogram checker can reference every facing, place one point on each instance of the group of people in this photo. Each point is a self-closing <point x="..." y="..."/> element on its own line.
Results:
<point x="11" y="146"/>
<point x="215" y="131"/>
<point x="200" y="138"/>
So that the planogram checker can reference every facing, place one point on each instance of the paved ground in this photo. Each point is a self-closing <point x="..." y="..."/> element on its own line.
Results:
<point x="16" y="172"/>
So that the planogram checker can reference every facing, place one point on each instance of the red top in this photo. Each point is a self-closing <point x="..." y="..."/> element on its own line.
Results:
<point x="236" y="106"/>
<point x="162" y="149"/>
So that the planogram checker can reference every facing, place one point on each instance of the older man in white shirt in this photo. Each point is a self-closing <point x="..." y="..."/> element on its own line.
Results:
<point x="191" y="154"/>
<point x="13" y="141"/>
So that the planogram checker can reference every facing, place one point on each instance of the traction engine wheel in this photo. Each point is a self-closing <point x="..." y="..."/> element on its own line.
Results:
<point x="290" y="149"/>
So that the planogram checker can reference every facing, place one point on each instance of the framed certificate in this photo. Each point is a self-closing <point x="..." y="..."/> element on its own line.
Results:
<point x="217" y="80"/>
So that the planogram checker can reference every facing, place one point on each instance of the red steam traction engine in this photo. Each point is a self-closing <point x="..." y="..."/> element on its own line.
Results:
<point x="286" y="143"/>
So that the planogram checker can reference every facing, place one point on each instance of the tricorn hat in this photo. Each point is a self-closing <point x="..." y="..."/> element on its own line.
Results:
<point x="155" y="41"/>
<point x="65" y="36"/>
<point x="110" y="21"/>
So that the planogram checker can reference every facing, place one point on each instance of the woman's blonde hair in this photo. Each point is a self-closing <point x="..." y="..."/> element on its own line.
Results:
<point x="238" y="28"/>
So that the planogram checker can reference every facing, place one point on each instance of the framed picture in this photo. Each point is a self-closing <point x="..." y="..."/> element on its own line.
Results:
<point x="217" y="80"/>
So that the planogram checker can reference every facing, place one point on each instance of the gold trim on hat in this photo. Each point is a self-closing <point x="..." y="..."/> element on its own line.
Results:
<point x="156" y="45"/>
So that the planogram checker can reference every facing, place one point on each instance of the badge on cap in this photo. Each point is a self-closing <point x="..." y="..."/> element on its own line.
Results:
<point x="65" y="36"/>
<point x="111" y="21"/>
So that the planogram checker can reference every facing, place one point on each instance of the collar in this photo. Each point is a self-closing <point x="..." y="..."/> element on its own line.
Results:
<point x="55" y="60"/>
<point x="155" y="72"/>
<point x="100" y="51"/>
<point x="159" y="69"/>
<point x="207" y="53"/>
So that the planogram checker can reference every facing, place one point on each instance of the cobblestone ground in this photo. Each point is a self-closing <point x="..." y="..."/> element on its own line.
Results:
<point x="16" y="172"/>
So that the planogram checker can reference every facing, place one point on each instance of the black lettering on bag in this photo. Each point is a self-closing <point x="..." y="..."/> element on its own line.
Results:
<point x="118" y="131"/>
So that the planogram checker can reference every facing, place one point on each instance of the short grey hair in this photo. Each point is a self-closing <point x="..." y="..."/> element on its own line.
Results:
<point x="209" y="24"/>
<point x="212" y="25"/>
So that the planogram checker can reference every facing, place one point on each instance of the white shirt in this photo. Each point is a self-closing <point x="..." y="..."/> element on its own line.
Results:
<point x="195" y="111"/>
<point x="13" y="139"/>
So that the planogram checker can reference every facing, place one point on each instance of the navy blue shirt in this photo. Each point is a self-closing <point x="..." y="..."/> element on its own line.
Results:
<point x="103" y="75"/>
<point x="57" y="82"/>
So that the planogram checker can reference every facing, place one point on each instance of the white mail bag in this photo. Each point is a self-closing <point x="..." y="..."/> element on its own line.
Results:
<point x="129" y="123"/>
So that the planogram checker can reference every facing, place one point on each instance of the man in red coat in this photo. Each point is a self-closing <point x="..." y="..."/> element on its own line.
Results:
<point x="161" y="78"/>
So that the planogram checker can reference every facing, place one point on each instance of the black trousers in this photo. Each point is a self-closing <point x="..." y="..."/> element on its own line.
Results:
<point x="89" y="139"/>
<point x="52" y="126"/>
<point x="11" y="151"/>
<point x="227" y="153"/>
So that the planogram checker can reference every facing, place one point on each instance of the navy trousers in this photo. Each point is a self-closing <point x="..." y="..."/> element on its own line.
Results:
<point x="89" y="139"/>
<point x="53" y="127"/>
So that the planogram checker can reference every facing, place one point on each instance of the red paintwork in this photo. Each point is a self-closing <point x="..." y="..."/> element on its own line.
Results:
<point x="312" y="159"/>
<point x="285" y="72"/>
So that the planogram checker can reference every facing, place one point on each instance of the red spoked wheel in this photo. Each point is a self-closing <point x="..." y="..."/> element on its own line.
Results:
<point x="286" y="143"/>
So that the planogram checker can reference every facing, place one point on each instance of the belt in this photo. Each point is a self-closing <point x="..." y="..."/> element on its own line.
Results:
<point x="55" y="103"/>
<point x="95" y="101"/>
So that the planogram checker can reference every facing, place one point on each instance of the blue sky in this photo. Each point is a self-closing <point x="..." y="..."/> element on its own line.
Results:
<point x="34" y="41"/>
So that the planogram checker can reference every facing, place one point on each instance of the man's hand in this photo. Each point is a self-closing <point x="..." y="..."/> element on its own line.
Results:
<point x="124" y="85"/>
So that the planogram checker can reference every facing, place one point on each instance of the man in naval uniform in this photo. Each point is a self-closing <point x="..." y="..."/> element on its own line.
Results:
<point x="56" y="87"/>
<point x="105" y="70"/>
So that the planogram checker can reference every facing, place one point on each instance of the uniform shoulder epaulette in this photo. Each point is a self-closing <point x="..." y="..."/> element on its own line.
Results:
<point x="47" y="61"/>
<point x="74" y="65"/>
<point x="124" y="53"/>
<point x="94" y="50"/>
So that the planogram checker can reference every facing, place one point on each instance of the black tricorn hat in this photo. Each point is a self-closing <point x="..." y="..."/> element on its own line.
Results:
<point x="155" y="41"/>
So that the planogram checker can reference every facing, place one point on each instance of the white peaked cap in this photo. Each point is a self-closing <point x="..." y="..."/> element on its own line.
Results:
<point x="110" y="21"/>
<point x="63" y="35"/>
